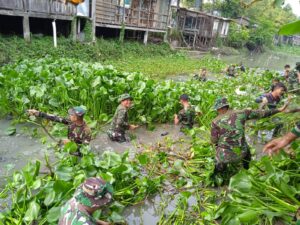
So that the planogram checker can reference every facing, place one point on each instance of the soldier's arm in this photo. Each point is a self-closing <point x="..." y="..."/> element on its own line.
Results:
<point x="257" y="114"/>
<point x="275" y="145"/>
<point x="214" y="133"/>
<point x="191" y="116"/>
<point x="54" y="118"/>
<point x="87" y="136"/>
<point x="121" y="123"/>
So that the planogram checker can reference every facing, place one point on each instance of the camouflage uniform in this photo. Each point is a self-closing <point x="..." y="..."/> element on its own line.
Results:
<point x="186" y="118"/>
<point x="119" y="125"/>
<point x="231" y="71"/>
<point x="293" y="82"/>
<point x="296" y="130"/>
<point x="93" y="193"/>
<point x="200" y="77"/>
<point x="78" y="134"/>
<point x="228" y="134"/>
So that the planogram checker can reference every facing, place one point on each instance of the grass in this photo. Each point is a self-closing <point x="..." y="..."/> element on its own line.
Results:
<point x="154" y="60"/>
<point x="294" y="50"/>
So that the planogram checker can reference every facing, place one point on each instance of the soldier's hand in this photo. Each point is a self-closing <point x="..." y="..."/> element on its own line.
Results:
<point x="283" y="108"/>
<point x="65" y="141"/>
<point x="176" y="120"/>
<point x="132" y="126"/>
<point x="275" y="145"/>
<point x="33" y="112"/>
<point x="264" y="101"/>
<point x="101" y="222"/>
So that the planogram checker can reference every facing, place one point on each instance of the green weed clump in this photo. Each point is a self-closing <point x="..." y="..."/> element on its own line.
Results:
<point x="155" y="60"/>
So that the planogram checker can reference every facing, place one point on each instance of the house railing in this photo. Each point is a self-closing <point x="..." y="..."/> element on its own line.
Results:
<point x="39" y="7"/>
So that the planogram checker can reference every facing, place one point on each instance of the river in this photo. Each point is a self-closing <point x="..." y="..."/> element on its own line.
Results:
<point x="20" y="148"/>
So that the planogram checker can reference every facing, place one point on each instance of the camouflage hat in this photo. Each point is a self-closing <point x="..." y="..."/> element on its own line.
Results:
<point x="124" y="97"/>
<point x="184" y="97"/>
<point x="77" y="110"/>
<point x="220" y="103"/>
<point x="94" y="193"/>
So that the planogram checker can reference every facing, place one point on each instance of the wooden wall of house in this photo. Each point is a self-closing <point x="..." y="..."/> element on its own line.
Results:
<point x="35" y="7"/>
<point x="152" y="14"/>
<point x="107" y="11"/>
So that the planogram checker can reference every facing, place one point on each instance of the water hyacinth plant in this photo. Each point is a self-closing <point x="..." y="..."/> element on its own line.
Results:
<point x="54" y="85"/>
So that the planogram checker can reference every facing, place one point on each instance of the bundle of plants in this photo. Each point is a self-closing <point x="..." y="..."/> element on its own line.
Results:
<point x="32" y="197"/>
<point x="266" y="193"/>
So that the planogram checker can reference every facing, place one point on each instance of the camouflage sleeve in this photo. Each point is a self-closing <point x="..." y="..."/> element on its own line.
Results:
<point x="87" y="136"/>
<point x="296" y="129"/>
<point x="53" y="118"/>
<point x="191" y="116"/>
<point x="180" y="116"/>
<point x="214" y="133"/>
<point x="121" y="121"/>
<point x="257" y="114"/>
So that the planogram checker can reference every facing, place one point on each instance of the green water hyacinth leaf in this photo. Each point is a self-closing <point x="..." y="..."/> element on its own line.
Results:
<point x="116" y="218"/>
<point x="143" y="159"/>
<point x="96" y="82"/>
<point x="10" y="131"/>
<point x="49" y="198"/>
<point x="64" y="173"/>
<point x="103" y="117"/>
<point x="240" y="182"/>
<point x="32" y="212"/>
<point x="248" y="217"/>
<point x="110" y="159"/>
<point x="61" y="187"/>
<point x="53" y="214"/>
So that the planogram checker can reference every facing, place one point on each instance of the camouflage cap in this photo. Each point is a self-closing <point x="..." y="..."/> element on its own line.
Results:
<point x="94" y="193"/>
<point x="77" y="110"/>
<point x="220" y="103"/>
<point x="184" y="97"/>
<point x="124" y="97"/>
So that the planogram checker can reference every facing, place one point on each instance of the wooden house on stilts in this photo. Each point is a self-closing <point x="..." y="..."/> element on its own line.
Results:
<point x="200" y="30"/>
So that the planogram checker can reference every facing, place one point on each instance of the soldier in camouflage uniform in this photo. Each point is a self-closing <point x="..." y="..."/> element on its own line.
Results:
<point x="202" y="76"/>
<point x="293" y="78"/>
<point x="228" y="133"/>
<point x="78" y="130"/>
<point x="287" y="72"/>
<point x="230" y="71"/>
<point x="119" y="123"/>
<point x="92" y="195"/>
<point x="186" y="116"/>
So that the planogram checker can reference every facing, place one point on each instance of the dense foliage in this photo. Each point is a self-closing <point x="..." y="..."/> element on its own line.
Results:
<point x="184" y="168"/>
<point x="265" y="17"/>
<point x="155" y="60"/>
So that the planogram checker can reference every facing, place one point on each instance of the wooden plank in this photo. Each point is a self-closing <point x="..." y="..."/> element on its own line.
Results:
<point x="11" y="4"/>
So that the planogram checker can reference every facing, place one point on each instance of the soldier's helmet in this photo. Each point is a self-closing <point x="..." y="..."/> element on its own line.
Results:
<point x="124" y="97"/>
<point x="77" y="110"/>
<point x="220" y="103"/>
<point x="94" y="193"/>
